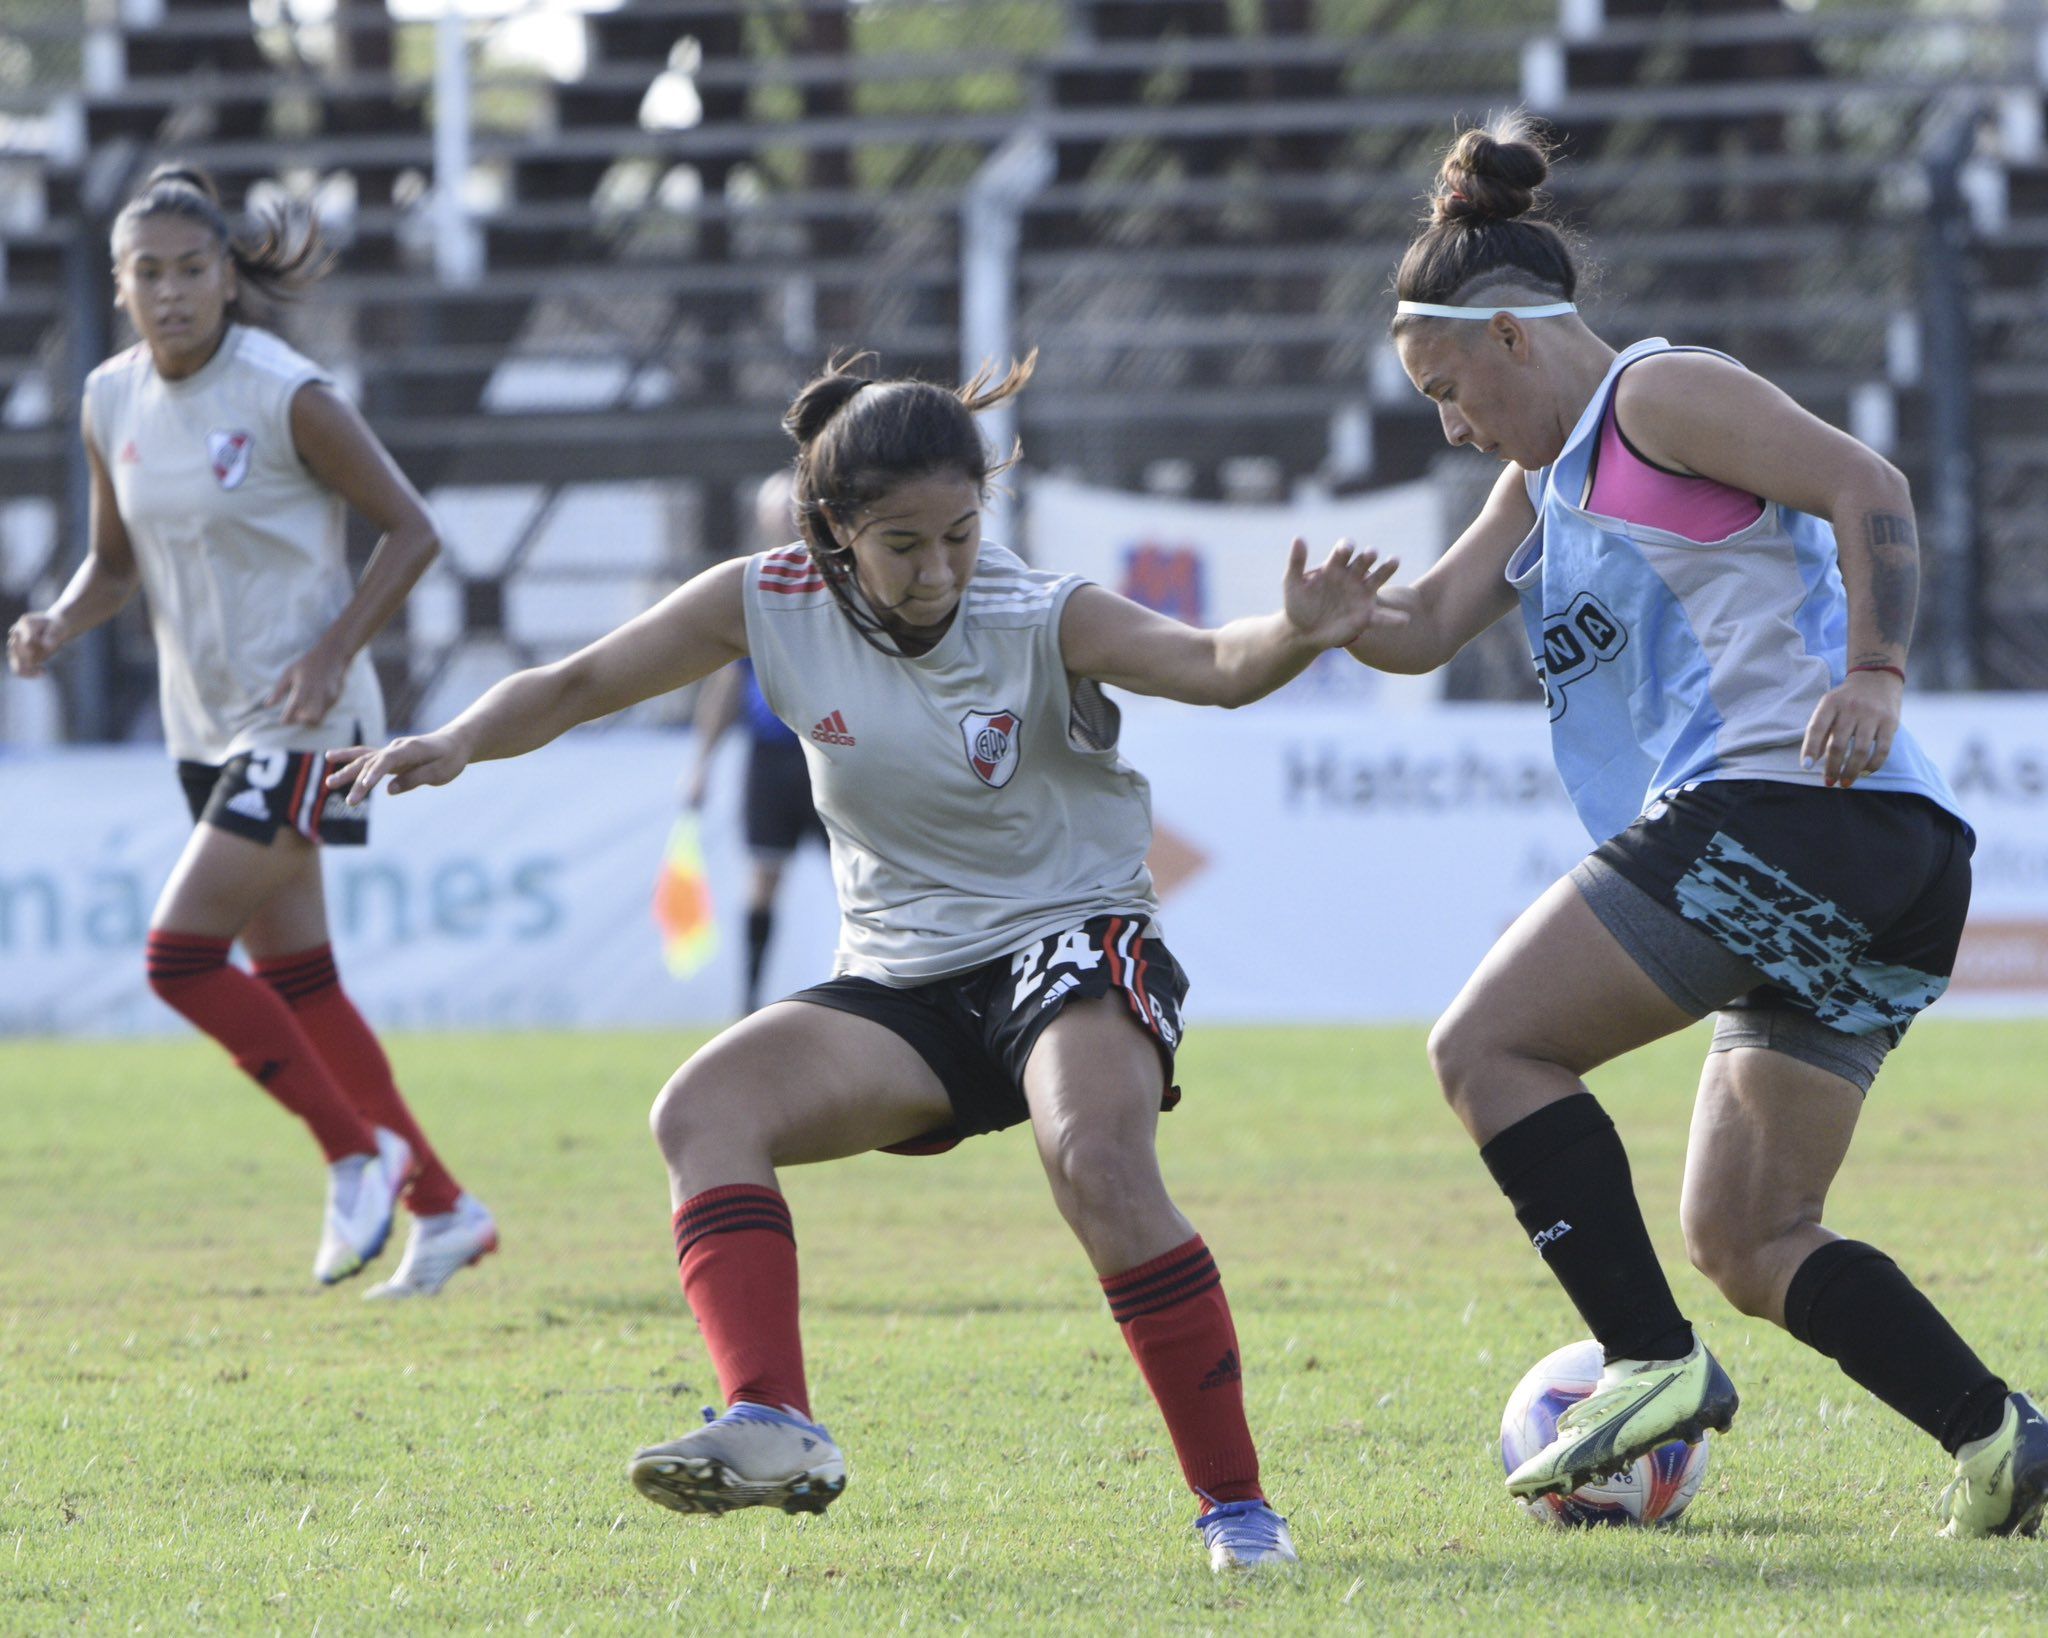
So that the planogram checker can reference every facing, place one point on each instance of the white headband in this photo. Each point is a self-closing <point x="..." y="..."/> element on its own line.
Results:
<point x="1430" y="309"/>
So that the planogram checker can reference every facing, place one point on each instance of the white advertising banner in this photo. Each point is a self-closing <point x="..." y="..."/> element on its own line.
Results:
<point x="1206" y="562"/>
<point x="1338" y="865"/>
<point x="521" y="896"/>
<point x="1319" y="863"/>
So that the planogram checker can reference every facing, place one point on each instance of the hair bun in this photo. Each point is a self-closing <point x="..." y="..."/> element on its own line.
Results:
<point x="824" y="397"/>
<point x="1491" y="174"/>
<point x="184" y="176"/>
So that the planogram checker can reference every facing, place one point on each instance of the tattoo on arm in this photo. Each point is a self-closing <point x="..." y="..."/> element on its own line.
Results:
<point x="1894" y="574"/>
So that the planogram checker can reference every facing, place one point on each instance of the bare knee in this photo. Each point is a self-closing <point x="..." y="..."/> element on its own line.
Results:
<point x="1744" y="1256"/>
<point x="1467" y="1060"/>
<point x="1103" y="1178"/>
<point x="688" y="1110"/>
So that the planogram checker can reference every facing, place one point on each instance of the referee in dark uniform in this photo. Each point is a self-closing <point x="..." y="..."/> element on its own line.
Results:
<point x="779" y="812"/>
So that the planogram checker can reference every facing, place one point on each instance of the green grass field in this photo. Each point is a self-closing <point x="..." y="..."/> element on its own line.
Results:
<point x="194" y="1439"/>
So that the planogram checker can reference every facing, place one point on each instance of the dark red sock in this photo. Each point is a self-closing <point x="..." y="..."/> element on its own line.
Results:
<point x="1177" y="1322"/>
<point x="192" y="975"/>
<point x="737" y="1252"/>
<point x="355" y="1058"/>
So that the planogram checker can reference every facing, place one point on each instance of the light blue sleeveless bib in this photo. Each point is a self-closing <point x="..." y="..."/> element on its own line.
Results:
<point x="1667" y="661"/>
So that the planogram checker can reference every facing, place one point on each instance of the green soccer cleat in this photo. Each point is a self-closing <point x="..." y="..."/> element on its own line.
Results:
<point x="2001" y="1482"/>
<point x="1639" y="1405"/>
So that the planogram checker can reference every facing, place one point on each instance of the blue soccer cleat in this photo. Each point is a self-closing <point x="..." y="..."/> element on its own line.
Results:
<point x="1246" y="1535"/>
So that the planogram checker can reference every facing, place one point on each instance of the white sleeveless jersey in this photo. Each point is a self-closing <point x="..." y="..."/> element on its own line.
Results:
<point x="241" y="549"/>
<point x="974" y="797"/>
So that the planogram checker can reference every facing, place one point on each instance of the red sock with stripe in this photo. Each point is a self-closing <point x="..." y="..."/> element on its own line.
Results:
<point x="736" y="1250"/>
<point x="309" y="984"/>
<point x="1176" y="1321"/>
<point x="192" y="975"/>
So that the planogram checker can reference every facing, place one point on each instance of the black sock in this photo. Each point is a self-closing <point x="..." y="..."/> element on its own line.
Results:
<point x="1566" y="1174"/>
<point x="759" y="922"/>
<point x="1854" y="1304"/>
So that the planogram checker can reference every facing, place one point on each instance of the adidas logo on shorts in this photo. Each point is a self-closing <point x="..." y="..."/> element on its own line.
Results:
<point x="832" y="731"/>
<point x="249" y="804"/>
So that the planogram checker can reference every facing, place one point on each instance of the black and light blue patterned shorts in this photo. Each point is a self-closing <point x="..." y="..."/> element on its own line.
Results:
<point x="1848" y="904"/>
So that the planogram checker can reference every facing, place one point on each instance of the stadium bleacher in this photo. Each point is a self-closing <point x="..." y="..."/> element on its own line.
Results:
<point x="682" y="211"/>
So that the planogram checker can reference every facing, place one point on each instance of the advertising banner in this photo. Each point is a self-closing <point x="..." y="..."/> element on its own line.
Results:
<point x="1318" y="863"/>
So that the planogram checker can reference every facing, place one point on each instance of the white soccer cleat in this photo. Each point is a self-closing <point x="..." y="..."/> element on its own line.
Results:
<point x="1246" y="1535"/>
<point x="439" y="1247"/>
<point x="751" y="1456"/>
<point x="362" y="1197"/>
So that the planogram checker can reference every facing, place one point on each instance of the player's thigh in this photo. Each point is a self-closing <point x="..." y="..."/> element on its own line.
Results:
<point x="221" y="881"/>
<point x="294" y="917"/>
<point x="810" y="1082"/>
<point x="1769" y="1133"/>
<point x="1559" y="987"/>
<point x="1094" y="1076"/>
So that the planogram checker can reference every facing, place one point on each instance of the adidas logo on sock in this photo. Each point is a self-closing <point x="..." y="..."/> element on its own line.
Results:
<point x="1224" y="1372"/>
<point x="832" y="731"/>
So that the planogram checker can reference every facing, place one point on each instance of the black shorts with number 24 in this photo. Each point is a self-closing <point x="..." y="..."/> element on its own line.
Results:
<point x="976" y="1029"/>
<point x="259" y="793"/>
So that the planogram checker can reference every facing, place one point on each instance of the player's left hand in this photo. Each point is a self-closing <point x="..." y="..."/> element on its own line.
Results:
<point x="1852" y="727"/>
<point x="1337" y="602"/>
<point x="309" y="688"/>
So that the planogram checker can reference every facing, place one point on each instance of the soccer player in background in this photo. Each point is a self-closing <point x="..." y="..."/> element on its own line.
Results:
<point x="222" y="463"/>
<point x="779" y="813"/>
<point x="1719" y="590"/>
<point x="999" y="960"/>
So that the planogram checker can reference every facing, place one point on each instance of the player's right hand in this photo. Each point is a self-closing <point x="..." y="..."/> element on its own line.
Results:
<point x="403" y="765"/>
<point x="31" y="641"/>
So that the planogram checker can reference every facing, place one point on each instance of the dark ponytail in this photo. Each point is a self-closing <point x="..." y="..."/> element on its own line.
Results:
<point x="859" y="436"/>
<point x="1484" y="230"/>
<point x="279" y="264"/>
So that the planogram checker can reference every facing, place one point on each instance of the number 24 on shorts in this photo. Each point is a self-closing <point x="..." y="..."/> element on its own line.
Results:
<point x="1070" y="949"/>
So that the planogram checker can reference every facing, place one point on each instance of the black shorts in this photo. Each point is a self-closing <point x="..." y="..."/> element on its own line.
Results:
<point x="779" y="810"/>
<point x="1849" y="903"/>
<point x="258" y="792"/>
<point x="977" y="1030"/>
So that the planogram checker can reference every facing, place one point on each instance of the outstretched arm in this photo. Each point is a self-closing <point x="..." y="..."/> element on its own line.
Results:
<point x="693" y="631"/>
<point x="1460" y="594"/>
<point x="1705" y="415"/>
<point x="1116" y="641"/>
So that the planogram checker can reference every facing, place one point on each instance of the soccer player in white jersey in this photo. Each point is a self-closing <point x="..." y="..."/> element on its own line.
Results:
<point x="222" y="464"/>
<point x="999" y="960"/>
<point x="1718" y="589"/>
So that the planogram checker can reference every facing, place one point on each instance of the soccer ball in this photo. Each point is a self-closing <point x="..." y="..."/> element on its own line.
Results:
<point x="1654" y="1490"/>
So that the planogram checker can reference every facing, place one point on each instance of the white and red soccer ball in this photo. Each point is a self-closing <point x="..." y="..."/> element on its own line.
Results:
<point x="1654" y="1490"/>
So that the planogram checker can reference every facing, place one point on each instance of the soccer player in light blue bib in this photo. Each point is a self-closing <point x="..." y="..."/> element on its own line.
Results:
<point x="1718" y="590"/>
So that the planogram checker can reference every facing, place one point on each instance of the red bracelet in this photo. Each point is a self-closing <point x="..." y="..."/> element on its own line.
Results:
<point x="1894" y="670"/>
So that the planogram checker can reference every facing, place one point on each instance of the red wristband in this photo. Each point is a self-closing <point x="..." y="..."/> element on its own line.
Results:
<point x="1894" y="670"/>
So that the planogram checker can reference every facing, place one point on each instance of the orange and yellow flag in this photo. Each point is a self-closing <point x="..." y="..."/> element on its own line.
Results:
<point x="682" y="902"/>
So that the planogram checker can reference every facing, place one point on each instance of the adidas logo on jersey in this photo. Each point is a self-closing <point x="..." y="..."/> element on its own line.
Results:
<point x="832" y="731"/>
<point x="249" y="804"/>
